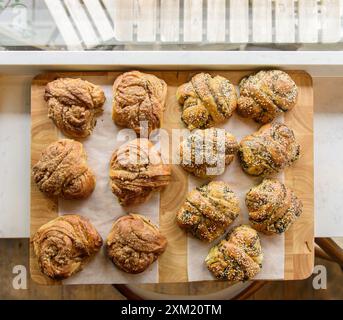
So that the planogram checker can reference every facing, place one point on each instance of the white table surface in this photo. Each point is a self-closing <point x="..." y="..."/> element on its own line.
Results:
<point x="328" y="156"/>
<point x="15" y="156"/>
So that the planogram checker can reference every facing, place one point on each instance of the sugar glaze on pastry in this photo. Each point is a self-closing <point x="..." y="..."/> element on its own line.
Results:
<point x="238" y="257"/>
<point x="73" y="105"/>
<point x="134" y="243"/>
<point x="208" y="210"/>
<point x="206" y="100"/>
<point x="269" y="150"/>
<point x="62" y="171"/>
<point x="206" y="153"/>
<point x="266" y="94"/>
<point x="138" y="97"/>
<point x="272" y="207"/>
<point x="136" y="171"/>
<point x="64" y="245"/>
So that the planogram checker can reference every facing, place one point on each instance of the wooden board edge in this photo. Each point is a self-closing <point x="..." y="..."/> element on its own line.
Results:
<point x="300" y="266"/>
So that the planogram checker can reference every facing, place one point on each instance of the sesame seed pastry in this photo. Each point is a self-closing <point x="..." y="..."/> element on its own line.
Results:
<point x="62" y="171"/>
<point x="136" y="171"/>
<point x="206" y="153"/>
<point x="64" y="245"/>
<point x="269" y="150"/>
<point x="238" y="257"/>
<point x="138" y="97"/>
<point x="134" y="243"/>
<point x="266" y="94"/>
<point x="272" y="207"/>
<point x="206" y="100"/>
<point x="209" y="210"/>
<point x="73" y="105"/>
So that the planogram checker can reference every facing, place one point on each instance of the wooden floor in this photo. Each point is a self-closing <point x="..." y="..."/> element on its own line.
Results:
<point x="15" y="252"/>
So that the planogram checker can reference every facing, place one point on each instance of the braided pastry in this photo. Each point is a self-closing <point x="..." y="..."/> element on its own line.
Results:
<point x="272" y="207"/>
<point x="206" y="100"/>
<point x="209" y="210"/>
<point x="138" y="97"/>
<point x="268" y="150"/>
<point x="205" y="153"/>
<point x="62" y="171"/>
<point x="266" y="94"/>
<point x="64" y="245"/>
<point x="134" y="243"/>
<point x="73" y="105"/>
<point x="238" y="257"/>
<point x="136" y="170"/>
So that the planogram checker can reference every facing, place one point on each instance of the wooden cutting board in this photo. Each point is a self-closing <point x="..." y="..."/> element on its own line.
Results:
<point x="299" y="239"/>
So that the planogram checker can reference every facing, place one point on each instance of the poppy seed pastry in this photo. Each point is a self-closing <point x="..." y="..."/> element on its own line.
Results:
<point x="238" y="257"/>
<point x="209" y="210"/>
<point x="206" y="153"/>
<point x="64" y="245"/>
<point x="138" y="97"/>
<point x="62" y="171"/>
<point x="272" y="207"/>
<point x="73" y="105"/>
<point x="134" y="243"/>
<point x="206" y="100"/>
<point x="136" y="171"/>
<point x="266" y="94"/>
<point x="269" y="150"/>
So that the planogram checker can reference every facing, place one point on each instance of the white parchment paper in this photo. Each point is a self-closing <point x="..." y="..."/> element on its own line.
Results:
<point x="102" y="208"/>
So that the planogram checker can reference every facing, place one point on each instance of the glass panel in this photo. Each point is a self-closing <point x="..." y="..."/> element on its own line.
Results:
<point x="171" y="24"/>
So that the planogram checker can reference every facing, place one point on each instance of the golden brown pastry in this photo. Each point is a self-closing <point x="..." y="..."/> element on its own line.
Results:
<point x="137" y="170"/>
<point x="269" y="150"/>
<point x="206" y="100"/>
<point x="73" y="105"/>
<point x="205" y="153"/>
<point x="62" y="171"/>
<point x="238" y="257"/>
<point x="138" y="97"/>
<point x="266" y="94"/>
<point x="272" y="207"/>
<point x="209" y="210"/>
<point x="64" y="245"/>
<point x="134" y="243"/>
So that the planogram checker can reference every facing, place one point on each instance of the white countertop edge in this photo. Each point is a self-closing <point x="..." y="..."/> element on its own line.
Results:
<point x="192" y="58"/>
<point x="171" y="57"/>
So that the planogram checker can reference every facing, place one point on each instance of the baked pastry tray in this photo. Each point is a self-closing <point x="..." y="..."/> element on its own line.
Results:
<point x="173" y="265"/>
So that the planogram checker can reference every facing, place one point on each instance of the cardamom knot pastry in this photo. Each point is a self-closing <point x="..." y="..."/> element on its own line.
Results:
<point x="206" y="100"/>
<point x="64" y="245"/>
<point x="238" y="257"/>
<point x="62" y="171"/>
<point x="266" y="94"/>
<point x="134" y="243"/>
<point x="269" y="150"/>
<point x="209" y="210"/>
<point x="73" y="105"/>
<point x="206" y="153"/>
<point x="136" y="171"/>
<point x="138" y="97"/>
<point x="272" y="207"/>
